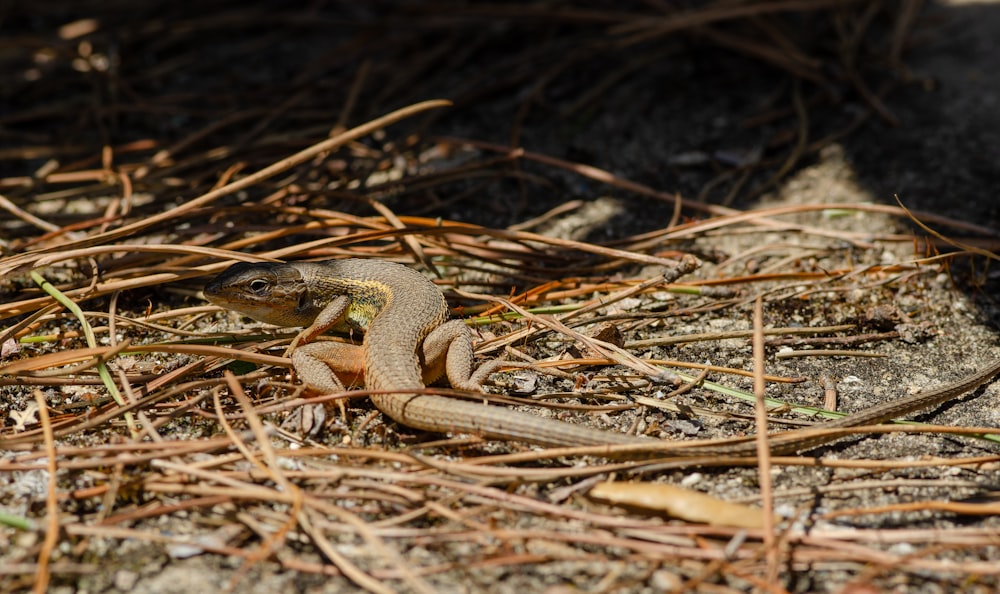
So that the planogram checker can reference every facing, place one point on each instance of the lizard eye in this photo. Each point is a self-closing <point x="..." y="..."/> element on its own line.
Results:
<point x="258" y="286"/>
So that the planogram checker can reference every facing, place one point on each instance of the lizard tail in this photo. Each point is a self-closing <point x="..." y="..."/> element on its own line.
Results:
<point x="444" y="415"/>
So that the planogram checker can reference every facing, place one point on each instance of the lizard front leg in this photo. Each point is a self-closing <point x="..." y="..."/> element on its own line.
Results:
<point x="327" y="318"/>
<point x="318" y="363"/>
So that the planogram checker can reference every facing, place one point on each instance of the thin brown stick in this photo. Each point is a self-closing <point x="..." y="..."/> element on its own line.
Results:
<point x="42" y="576"/>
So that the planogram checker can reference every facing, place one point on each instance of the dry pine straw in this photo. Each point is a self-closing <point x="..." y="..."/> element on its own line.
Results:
<point x="240" y="468"/>
<point x="186" y="443"/>
<point x="160" y="464"/>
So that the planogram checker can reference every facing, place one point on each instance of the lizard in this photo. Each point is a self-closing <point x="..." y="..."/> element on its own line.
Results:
<point x="410" y="342"/>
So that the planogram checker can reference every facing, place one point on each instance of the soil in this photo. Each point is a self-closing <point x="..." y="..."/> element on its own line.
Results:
<point x="942" y="156"/>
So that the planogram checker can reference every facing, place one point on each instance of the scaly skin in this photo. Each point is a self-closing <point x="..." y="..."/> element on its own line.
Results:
<point x="404" y="316"/>
<point x="409" y="342"/>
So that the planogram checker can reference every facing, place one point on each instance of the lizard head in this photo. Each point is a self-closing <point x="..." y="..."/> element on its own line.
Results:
<point x="271" y="292"/>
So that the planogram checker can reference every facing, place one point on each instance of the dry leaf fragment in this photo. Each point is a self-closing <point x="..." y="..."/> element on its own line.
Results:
<point x="606" y="332"/>
<point x="9" y="348"/>
<point x="307" y="421"/>
<point x="24" y="417"/>
<point x="677" y="502"/>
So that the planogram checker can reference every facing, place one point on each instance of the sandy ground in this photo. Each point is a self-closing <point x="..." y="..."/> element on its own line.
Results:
<point x="944" y="158"/>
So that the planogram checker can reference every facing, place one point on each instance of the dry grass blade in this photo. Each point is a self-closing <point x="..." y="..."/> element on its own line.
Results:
<point x="91" y="357"/>
<point x="51" y="503"/>
<point x="14" y="264"/>
<point x="763" y="445"/>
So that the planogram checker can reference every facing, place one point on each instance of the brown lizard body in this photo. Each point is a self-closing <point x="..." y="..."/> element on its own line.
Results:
<point x="409" y="342"/>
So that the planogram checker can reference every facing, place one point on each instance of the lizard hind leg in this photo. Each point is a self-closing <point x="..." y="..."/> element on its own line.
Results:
<point x="447" y="350"/>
